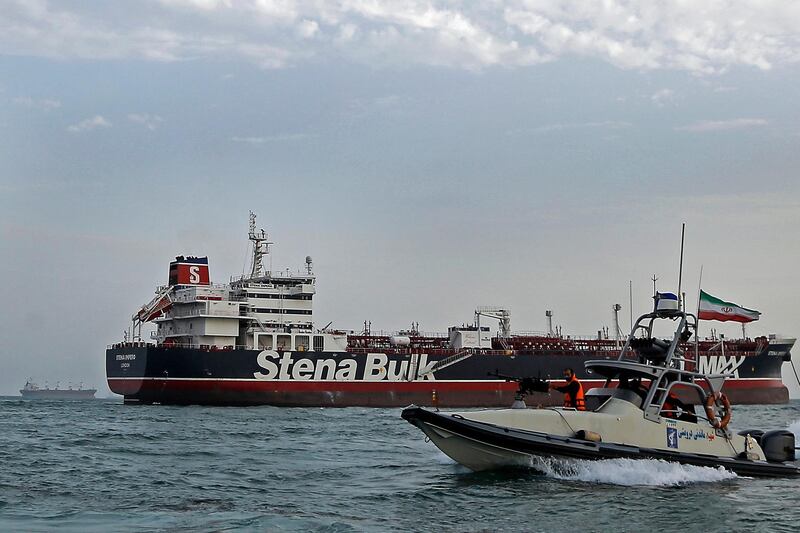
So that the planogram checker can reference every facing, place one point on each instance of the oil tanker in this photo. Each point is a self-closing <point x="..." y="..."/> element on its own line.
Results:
<point x="252" y="341"/>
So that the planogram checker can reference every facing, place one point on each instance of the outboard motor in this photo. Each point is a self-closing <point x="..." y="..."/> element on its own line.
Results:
<point x="778" y="445"/>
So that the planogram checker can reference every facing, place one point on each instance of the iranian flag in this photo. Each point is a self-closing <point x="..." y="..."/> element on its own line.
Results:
<point x="712" y="308"/>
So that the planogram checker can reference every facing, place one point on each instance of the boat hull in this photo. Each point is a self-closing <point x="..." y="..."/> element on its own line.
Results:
<point x="158" y="374"/>
<point x="482" y="446"/>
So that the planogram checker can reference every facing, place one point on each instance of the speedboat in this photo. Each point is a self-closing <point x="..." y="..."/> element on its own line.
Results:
<point x="632" y="416"/>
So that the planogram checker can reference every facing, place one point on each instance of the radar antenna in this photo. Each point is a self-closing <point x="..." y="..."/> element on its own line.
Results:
<point x="260" y="247"/>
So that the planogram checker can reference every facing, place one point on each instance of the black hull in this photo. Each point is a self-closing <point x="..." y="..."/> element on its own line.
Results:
<point x="544" y="445"/>
<point x="158" y="374"/>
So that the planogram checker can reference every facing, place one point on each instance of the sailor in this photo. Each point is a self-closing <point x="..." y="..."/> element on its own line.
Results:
<point x="573" y="391"/>
<point x="671" y="406"/>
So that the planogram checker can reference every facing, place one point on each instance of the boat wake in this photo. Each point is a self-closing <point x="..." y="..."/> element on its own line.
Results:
<point x="794" y="427"/>
<point x="630" y="472"/>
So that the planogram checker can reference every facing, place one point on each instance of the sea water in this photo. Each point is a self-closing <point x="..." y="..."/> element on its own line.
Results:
<point x="104" y="466"/>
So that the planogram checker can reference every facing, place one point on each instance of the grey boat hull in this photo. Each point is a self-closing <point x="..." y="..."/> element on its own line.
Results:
<point x="484" y="446"/>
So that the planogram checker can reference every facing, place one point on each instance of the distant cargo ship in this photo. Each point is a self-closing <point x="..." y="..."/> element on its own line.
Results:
<point x="252" y="341"/>
<point x="32" y="391"/>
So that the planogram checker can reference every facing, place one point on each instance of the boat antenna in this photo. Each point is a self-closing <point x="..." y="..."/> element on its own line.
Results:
<point x="680" y="269"/>
<point x="697" y="320"/>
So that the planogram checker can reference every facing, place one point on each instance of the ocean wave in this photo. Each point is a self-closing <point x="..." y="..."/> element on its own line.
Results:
<point x="630" y="472"/>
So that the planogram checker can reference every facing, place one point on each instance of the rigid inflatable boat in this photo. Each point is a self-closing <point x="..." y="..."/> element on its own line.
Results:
<point x="632" y="416"/>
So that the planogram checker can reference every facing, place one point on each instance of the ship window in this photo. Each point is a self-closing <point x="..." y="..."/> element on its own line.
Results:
<point x="265" y="342"/>
<point x="319" y="343"/>
<point x="301" y="343"/>
<point x="284" y="342"/>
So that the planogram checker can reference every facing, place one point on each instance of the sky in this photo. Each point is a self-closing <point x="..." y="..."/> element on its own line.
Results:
<point x="431" y="157"/>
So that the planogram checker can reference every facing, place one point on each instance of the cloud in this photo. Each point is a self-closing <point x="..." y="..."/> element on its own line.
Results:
<point x="562" y="126"/>
<point x="722" y="125"/>
<point x="283" y="137"/>
<point x="703" y="38"/>
<point x="307" y="28"/>
<point x="662" y="96"/>
<point x="97" y="121"/>
<point x="151" y="122"/>
<point x="45" y="104"/>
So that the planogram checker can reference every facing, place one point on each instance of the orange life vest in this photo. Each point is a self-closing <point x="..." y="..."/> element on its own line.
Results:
<point x="669" y="410"/>
<point x="580" y="400"/>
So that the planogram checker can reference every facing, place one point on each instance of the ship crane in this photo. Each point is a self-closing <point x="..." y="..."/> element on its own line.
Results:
<point x="615" y="309"/>
<point x="499" y="314"/>
<point x="160" y="303"/>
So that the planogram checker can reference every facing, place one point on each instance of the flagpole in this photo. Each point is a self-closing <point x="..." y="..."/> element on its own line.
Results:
<point x="699" y="288"/>
<point x="681" y="305"/>
<point x="697" y="325"/>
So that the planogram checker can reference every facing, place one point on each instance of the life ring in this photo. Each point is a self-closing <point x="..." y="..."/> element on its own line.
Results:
<point x="726" y="407"/>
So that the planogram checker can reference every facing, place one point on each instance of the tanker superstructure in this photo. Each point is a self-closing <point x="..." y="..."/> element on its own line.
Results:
<point x="252" y="341"/>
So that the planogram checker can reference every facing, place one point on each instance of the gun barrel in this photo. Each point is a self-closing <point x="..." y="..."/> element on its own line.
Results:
<point x="504" y="376"/>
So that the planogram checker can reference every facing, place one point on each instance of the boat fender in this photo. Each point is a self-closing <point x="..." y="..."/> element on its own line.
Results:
<point x="778" y="445"/>
<point x="585" y="434"/>
<point x="726" y="410"/>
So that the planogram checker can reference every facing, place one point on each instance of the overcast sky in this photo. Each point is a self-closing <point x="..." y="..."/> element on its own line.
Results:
<point x="430" y="156"/>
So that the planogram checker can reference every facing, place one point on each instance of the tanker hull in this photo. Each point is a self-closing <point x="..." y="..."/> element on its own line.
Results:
<point x="184" y="376"/>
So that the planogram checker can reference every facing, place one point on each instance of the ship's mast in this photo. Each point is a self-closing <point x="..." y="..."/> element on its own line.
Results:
<point x="260" y="248"/>
<point x="617" y="331"/>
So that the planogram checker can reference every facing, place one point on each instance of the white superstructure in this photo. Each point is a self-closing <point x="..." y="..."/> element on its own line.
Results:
<point x="263" y="310"/>
<point x="200" y="315"/>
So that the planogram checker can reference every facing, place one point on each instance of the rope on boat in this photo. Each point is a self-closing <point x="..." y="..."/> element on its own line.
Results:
<point x="563" y="418"/>
<point x="795" y="372"/>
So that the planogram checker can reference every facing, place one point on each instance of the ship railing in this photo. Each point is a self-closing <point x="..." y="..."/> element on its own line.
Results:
<point x="387" y="333"/>
<point x="129" y="344"/>
<point x="530" y="333"/>
<point x="208" y="347"/>
<point x="221" y="286"/>
<point x="289" y="274"/>
<point x="448" y="361"/>
<point x="205" y="311"/>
